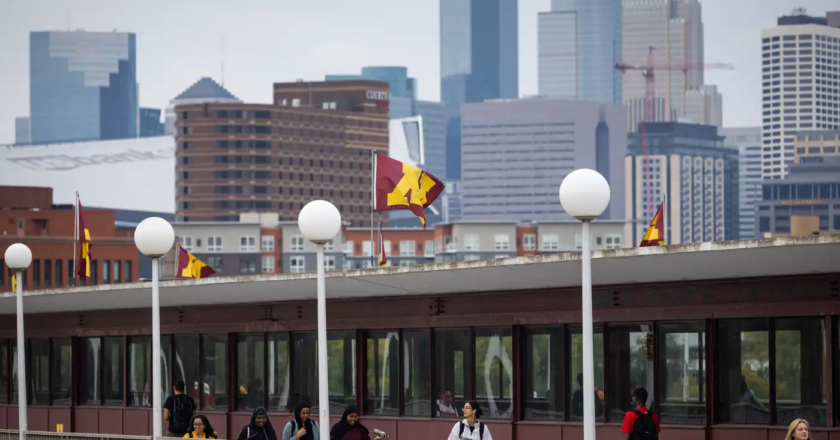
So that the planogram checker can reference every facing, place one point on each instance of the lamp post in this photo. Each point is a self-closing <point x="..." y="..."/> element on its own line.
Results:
<point x="18" y="258"/>
<point x="585" y="194"/>
<point x="319" y="221"/>
<point x="154" y="237"/>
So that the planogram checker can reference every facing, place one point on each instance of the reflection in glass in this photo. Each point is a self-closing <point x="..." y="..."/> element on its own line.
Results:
<point x="62" y="370"/>
<point x="631" y="366"/>
<point x="140" y="371"/>
<point x="382" y="395"/>
<point x="683" y="370"/>
<point x="89" y="386"/>
<point x="278" y="372"/>
<point x="215" y="368"/>
<point x="112" y="370"/>
<point x="494" y="371"/>
<point x="4" y="369"/>
<point x="38" y="371"/>
<point x="801" y="391"/>
<point x="744" y="371"/>
<point x="416" y="372"/>
<point x="576" y="375"/>
<point x="341" y="352"/>
<point x="542" y="382"/>
<point x="185" y="367"/>
<point x="453" y="371"/>
<point x="250" y="371"/>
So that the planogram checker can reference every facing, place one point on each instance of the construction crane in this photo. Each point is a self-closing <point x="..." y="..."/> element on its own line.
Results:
<point x="647" y="71"/>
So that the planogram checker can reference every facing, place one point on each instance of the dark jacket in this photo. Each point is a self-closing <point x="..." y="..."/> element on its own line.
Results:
<point x="254" y="432"/>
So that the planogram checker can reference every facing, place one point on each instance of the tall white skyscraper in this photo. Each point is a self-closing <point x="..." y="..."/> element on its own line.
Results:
<point x="748" y="142"/>
<point x="800" y="86"/>
<point x="704" y="106"/>
<point x="674" y="28"/>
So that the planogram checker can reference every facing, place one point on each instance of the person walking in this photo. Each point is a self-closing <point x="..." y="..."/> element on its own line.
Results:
<point x="302" y="427"/>
<point x="470" y="428"/>
<point x="349" y="427"/>
<point x="260" y="427"/>
<point x="641" y="423"/>
<point x="799" y="430"/>
<point x="178" y="410"/>
<point x="201" y="428"/>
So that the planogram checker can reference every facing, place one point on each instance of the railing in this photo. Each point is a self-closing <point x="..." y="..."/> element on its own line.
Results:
<point x="12" y="434"/>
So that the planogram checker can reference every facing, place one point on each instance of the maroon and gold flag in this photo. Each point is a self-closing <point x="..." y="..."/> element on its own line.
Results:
<point x="402" y="186"/>
<point x="191" y="267"/>
<point x="655" y="235"/>
<point x="84" y="243"/>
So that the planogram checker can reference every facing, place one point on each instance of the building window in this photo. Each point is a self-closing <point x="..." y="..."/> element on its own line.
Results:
<point x="248" y="264"/>
<point x="407" y="248"/>
<point x="214" y="244"/>
<point x="501" y="242"/>
<point x="576" y="373"/>
<point x="38" y="371"/>
<point x="127" y="272"/>
<point x="416" y="372"/>
<point x="682" y="365"/>
<point x="407" y="262"/>
<point x="101" y="371"/>
<point x="366" y="248"/>
<point x="278" y="371"/>
<point x="472" y="257"/>
<point x="329" y="263"/>
<point x="342" y="367"/>
<point x="387" y="247"/>
<point x="494" y="371"/>
<point x="186" y="351"/>
<point x="47" y="273"/>
<point x="382" y="380"/>
<point x="550" y="242"/>
<point x="297" y="264"/>
<point x="613" y="241"/>
<point x="116" y="272"/>
<point x="217" y="263"/>
<point x="247" y="244"/>
<point x="268" y="264"/>
<point x="631" y="366"/>
<point x="579" y="243"/>
<point x="453" y="371"/>
<point x="430" y="249"/>
<point x="529" y="242"/>
<point x="267" y="243"/>
<point x="140" y="371"/>
<point x="250" y="371"/>
<point x="36" y="273"/>
<point x="214" y="350"/>
<point x="62" y="371"/>
<point x="471" y="242"/>
<point x="186" y="243"/>
<point x="106" y="271"/>
<point x="543" y="369"/>
<point x="4" y="367"/>
<point x="329" y="246"/>
<point x="297" y="243"/>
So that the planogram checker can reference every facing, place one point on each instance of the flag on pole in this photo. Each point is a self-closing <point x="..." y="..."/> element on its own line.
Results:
<point x="14" y="282"/>
<point x="383" y="260"/>
<point x="188" y="266"/>
<point x="83" y="260"/>
<point x="401" y="186"/>
<point x="655" y="235"/>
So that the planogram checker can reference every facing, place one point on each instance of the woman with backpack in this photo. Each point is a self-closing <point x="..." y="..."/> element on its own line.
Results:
<point x="349" y="428"/>
<point x="260" y="427"/>
<point x="302" y="427"/>
<point x="201" y="428"/>
<point x="470" y="428"/>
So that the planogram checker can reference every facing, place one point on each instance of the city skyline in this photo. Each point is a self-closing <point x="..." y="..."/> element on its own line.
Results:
<point x="732" y="34"/>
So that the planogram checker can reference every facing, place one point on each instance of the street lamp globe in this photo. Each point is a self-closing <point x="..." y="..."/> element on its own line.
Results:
<point x="154" y="237"/>
<point x="18" y="256"/>
<point x="585" y="194"/>
<point x="319" y="221"/>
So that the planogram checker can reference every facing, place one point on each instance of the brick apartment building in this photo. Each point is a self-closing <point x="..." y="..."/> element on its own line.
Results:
<point x="28" y="216"/>
<point x="314" y="142"/>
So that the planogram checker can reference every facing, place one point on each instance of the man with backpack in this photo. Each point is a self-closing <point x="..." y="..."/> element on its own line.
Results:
<point x="179" y="410"/>
<point x="640" y="423"/>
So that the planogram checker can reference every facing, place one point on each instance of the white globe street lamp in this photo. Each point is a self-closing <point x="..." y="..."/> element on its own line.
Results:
<point x="18" y="258"/>
<point x="319" y="221"/>
<point x="585" y="194"/>
<point x="154" y="237"/>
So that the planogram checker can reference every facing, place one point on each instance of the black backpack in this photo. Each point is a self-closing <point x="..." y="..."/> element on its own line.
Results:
<point x="480" y="430"/>
<point x="181" y="416"/>
<point x="645" y="427"/>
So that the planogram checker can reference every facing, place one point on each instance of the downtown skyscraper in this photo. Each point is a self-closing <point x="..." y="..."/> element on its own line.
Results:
<point x="479" y="60"/>
<point x="82" y="86"/>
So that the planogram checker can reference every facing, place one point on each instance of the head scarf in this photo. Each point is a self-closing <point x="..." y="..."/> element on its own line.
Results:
<point x="342" y="427"/>
<point x="267" y="428"/>
<point x="307" y="425"/>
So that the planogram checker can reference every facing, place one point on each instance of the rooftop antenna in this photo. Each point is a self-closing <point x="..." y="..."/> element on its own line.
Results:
<point x="223" y="59"/>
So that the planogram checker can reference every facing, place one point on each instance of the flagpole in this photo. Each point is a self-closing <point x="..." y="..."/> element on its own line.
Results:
<point x="177" y="259"/>
<point x="75" y="236"/>
<point x="372" y="201"/>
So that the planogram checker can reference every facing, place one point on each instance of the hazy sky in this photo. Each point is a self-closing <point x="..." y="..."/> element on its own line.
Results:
<point x="266" y="41"/>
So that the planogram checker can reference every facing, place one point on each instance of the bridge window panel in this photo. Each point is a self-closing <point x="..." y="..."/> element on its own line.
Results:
<point x="214" y="354"/>
<point x="494" y="371"/>
<point x="14" y="385"/>
<point x="89" y="379"/>
<point x="38" y="371"/>
<point x="250" y="372"/>
<point x="185" y="367"/>
<point x="112" y="370"/>
<point x="417" y="373"/>
<point x="743" y="373"/>
<point x="682" y="390"/>
<point x="542" y="373"/>
<point x="382" y="388"/>
<point x="801" y="389"/>
<point x="278" y="371"/>
<point x="576" y="375"/>
<point x="631" y="366"/>
<point x="62" y="371"/>
<point x="341" y="353"/>
<point x="101" y="371"/>
<point x="453" y="371"/>
<point x="140" y="371"/>
<point x="4" y="368"/>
